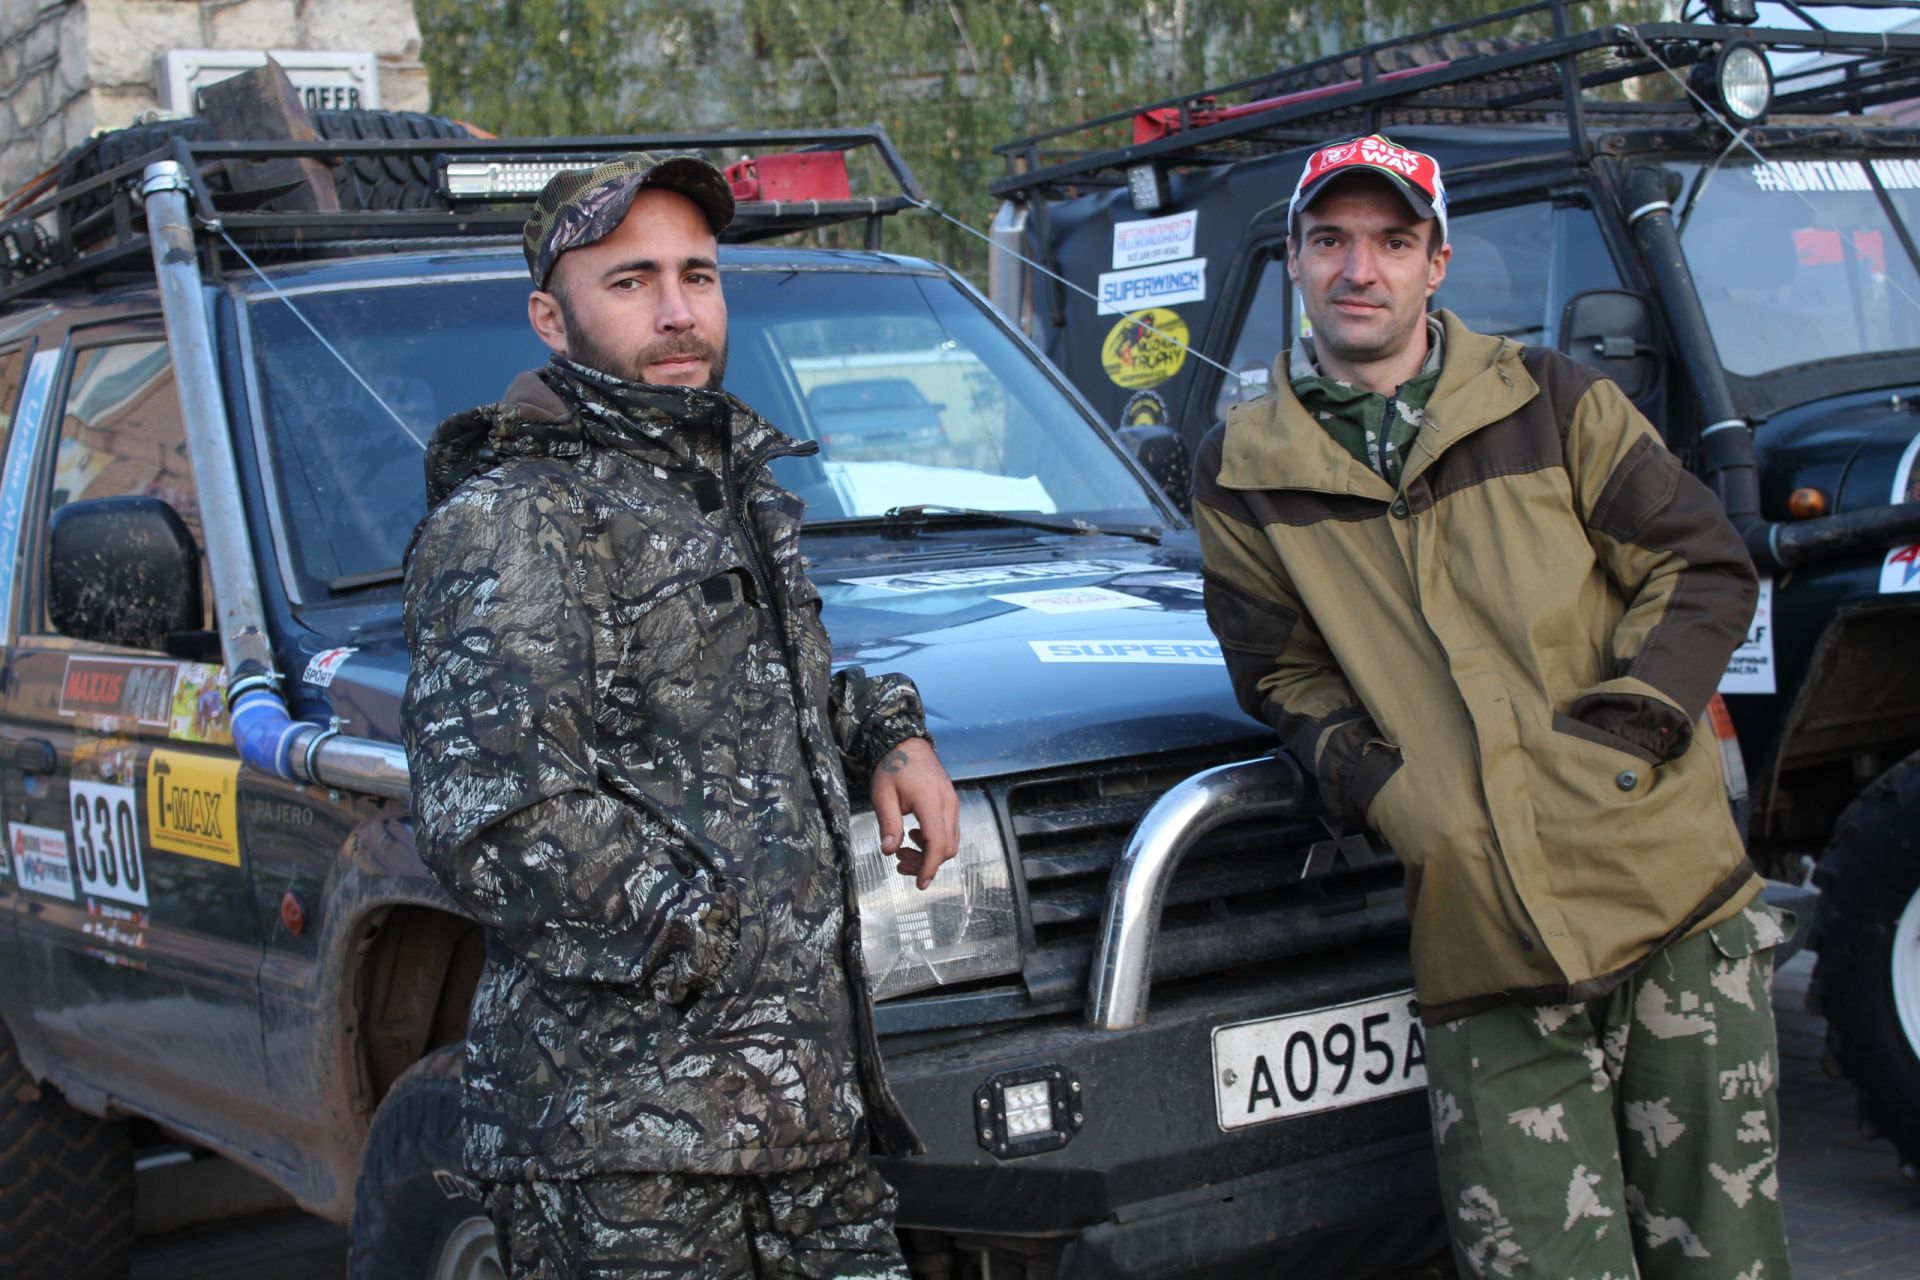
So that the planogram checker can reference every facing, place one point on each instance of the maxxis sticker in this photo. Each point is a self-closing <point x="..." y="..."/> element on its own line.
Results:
<point x="1145" y="349"/>
<point x="193" y="806"/>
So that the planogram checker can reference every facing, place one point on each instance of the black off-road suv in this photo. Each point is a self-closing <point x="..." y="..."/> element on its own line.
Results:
<point x="214" y="389"/>
<point x="1721" y="217"/>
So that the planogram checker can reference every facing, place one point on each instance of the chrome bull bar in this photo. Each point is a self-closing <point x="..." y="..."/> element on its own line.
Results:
<point x="1269" y="787"/>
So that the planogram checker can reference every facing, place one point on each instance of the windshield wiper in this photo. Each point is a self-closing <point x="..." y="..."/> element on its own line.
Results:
<point x="360" y="581"/>
<point x="907" y="522"/>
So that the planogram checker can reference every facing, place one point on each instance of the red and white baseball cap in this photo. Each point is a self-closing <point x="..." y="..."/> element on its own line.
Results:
<point x="1414" y="174"/>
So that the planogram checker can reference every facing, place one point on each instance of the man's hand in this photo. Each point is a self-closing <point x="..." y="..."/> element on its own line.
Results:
<point x="911" y="779"/>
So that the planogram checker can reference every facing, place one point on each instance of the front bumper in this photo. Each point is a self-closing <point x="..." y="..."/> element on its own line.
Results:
<point x="1151" y="1185"/>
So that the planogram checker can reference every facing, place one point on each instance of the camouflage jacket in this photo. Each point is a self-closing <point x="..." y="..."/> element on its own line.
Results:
<point x="627" y="756"/>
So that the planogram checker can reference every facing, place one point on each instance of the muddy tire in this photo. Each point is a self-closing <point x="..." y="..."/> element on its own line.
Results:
<point x="1868" y="977"/>
<point x="416" y="1214"/>
<point x="368" y="182"/>
<point x="66" y="1183"/>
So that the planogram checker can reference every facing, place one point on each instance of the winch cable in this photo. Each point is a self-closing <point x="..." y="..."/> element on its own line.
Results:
<point x="332" y="350"/>
<point x="931" y="207"/>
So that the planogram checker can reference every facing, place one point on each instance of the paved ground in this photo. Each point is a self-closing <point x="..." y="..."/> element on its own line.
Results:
<point x="1850" y="1211"/>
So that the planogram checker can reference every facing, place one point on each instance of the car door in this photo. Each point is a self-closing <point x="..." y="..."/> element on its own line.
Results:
<point x="137" y="925"/>
<point x="24" y="383"/>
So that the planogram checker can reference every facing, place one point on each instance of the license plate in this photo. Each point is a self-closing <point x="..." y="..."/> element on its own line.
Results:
<point x="1278" y="1068"/>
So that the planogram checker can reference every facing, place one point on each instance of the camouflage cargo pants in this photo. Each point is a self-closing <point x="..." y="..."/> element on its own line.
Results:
<point x="1632" y="1136"/>
<point x="834" y="1221"/>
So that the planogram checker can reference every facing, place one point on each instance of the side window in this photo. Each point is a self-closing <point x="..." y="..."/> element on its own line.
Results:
<point x="1513" y="269"/>
<point x="121" y="434"/>
<point x="13" y="369"/>
<point x="1264" y="333"/>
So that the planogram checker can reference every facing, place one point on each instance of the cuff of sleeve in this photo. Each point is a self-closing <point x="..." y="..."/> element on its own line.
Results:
<point x="1639" y="713"/>
<point x="1337" y="759"/>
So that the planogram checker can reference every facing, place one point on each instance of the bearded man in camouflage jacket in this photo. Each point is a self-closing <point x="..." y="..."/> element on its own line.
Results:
<point x="630" y="763"/>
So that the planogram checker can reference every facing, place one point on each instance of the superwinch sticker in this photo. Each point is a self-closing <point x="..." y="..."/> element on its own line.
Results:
<point x="192" y="807"/>
<point x="1163" y="285"/>
<point x="1193" y="653"/>
<point x="40" y="861"/>
<point x="1145" y="349"/>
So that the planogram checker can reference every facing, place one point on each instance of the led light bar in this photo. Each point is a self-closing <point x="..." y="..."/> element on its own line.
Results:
<point x="493" y="179"/>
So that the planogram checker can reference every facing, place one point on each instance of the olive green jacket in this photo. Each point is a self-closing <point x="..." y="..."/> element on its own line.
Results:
<point x="1498" y="666"/>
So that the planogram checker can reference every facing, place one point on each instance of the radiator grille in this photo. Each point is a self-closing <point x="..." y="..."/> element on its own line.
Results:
<point x="1241" y="895"/>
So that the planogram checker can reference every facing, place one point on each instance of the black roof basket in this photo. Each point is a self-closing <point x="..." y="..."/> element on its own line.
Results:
<point x="1474" y="72"/>
<point x="98" y="225"/>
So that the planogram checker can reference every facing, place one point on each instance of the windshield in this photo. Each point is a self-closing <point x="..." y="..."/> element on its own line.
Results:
<point x="913" y="392"/>
<point x="1799" y="260"/>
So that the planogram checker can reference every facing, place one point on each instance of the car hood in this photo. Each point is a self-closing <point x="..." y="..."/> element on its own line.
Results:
<point x="1028" y="658"/>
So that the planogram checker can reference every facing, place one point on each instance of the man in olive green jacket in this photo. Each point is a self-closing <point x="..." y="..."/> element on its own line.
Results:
<point x="1484" y="607"/>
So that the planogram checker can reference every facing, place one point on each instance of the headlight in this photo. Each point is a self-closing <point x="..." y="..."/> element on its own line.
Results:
<point x="962" y="927"/>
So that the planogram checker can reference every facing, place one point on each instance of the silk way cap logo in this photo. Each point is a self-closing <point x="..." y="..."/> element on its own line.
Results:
<point x="1414" y="174"/>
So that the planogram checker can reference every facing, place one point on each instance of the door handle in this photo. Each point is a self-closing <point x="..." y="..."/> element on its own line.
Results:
<point x="34" y="755"/>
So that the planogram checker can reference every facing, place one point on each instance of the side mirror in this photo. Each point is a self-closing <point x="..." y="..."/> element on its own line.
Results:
<point x="1165" y="456"/>
<point x="122" y="571"/>
<point x="1613" y="330"/>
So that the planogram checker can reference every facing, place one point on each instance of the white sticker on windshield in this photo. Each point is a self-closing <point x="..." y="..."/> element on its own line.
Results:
<point x="1901" y="572"/>
<point x="1750" y="670"/>
<point x="1168" y="239"/>
<point x="989" y="575"/>
<point x="1897" y="173"/>
<point x="1189" y="653"/>
<point x="1811" y="175"/>
<point x="1074" y="600"/>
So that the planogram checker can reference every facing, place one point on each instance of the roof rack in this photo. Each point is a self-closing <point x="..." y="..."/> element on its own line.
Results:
<point x="1471" y="72"/>
<point x="484" y="186"/>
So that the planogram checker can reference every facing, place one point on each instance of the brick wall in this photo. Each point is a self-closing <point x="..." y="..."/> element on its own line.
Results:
<point x="69" y="68"/>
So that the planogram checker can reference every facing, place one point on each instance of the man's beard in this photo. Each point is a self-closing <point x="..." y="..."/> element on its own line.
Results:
<point x="632" y="368"/>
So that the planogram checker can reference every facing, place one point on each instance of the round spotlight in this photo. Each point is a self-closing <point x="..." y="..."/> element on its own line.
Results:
<point x="1743" y="81"/>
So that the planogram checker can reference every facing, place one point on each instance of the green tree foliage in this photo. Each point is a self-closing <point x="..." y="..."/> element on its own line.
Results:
<point x="947" y="78"/>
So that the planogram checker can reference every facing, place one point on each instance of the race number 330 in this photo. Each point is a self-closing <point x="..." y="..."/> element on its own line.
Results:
<point x="106" y="842"/>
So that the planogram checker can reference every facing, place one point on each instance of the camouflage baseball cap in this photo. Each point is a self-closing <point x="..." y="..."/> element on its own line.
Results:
<point x="580" y="206"/>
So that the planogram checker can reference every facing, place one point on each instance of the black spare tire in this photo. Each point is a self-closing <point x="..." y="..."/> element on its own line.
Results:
<point x="362" y="182"/>
<point x="416" y="1214"/>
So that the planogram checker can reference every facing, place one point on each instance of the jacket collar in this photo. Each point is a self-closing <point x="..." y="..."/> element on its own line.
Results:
<point x="1274" y="443"/>
<point x="675" y="428"/>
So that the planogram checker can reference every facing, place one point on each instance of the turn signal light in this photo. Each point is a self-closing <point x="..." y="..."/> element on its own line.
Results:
<point x="1805" y="504"/>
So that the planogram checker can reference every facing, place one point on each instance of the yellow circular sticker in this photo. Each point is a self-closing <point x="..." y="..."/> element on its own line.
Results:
<point x="1145" y="348"/>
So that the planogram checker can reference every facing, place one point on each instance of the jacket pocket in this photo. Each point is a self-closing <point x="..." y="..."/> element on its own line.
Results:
<point x="720" y="1001"/>
<point x="1569" y="727"/>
